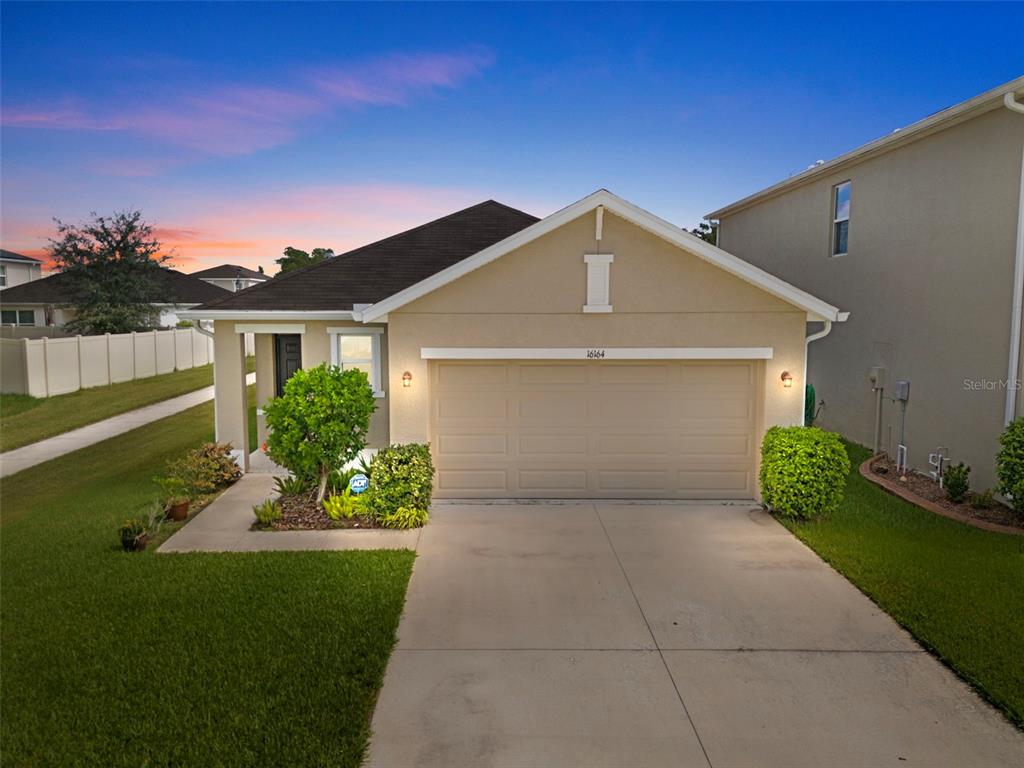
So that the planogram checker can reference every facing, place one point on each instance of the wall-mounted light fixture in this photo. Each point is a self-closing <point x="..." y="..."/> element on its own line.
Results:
<point x="787" y="379"/>
<point x="406" y="379"/>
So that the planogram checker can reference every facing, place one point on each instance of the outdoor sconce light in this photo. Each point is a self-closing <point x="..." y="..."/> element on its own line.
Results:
<point x="406" y="379"/>
<point x="787" y="379"/>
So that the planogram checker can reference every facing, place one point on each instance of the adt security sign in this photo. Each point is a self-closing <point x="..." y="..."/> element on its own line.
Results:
<point x="359" y="483"/>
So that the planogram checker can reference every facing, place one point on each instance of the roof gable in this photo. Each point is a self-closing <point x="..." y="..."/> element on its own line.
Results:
<point x="815" y="308"/>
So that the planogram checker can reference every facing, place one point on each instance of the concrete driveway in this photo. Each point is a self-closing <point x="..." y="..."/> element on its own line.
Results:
<point x="605" y="634"/>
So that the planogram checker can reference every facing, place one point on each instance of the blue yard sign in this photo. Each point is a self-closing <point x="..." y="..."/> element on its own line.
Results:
<point x="359" y="483"/>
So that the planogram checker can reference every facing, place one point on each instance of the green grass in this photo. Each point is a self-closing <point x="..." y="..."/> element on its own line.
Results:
<point x="25" y="419"/>
<point x="959" y="590"/>
<point x="116" y="659"/>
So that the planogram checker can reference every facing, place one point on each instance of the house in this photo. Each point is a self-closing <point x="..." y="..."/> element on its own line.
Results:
<point x="16" y="269"/>
<point x="920" y="235"/>
<point x="44" y="302"/>
<point x="598" y="352"/>
<point x="231" y="277"/>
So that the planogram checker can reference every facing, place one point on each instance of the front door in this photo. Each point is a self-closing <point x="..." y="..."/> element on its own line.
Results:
<point x="288" y="358"/>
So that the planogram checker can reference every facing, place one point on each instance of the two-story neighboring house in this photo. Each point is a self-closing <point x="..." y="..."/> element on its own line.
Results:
<point x="231" y="277"/>
<point x="16" y="269"/>
<point x="920" y="235"/>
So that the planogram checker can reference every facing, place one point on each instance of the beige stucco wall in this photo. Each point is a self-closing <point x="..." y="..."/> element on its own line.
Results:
<point x="661" y="295"/>
<point x="928" y="280"/>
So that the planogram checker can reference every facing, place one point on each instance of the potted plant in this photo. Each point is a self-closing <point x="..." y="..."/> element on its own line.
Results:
<point x="176" y="497"/>
<point x="134" y="534"/>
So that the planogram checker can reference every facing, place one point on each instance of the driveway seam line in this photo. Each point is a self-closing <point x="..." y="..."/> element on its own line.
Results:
<point x="654" y="640"/>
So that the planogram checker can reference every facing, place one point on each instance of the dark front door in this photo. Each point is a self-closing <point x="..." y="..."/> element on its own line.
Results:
<point x="288" y="357"/>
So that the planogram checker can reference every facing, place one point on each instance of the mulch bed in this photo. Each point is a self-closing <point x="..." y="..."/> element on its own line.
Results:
<point x="300" y="512"/>
<point x="925" y="488"/>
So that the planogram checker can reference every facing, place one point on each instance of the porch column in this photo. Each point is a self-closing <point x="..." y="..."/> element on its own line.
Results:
<point x="231" y="402"/>
<point x="265" y="382"/>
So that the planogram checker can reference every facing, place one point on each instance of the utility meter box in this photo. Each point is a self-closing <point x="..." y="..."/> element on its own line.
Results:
<point x="877" y="377"/>
<point x="902" y="391"/>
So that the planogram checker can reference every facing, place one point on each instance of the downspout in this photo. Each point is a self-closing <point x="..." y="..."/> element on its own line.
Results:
<point x="216" y="421"/>
<point x="807" y="342"/>
<point x="1013" y="362"/>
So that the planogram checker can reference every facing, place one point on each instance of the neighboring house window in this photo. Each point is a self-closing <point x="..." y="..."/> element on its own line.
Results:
<point x="18" y="317"/>
<point x="359" y="348"/>
<point x="239" y="285"/>
<point x="840" y="218"/>
<point x="3" y="275"/>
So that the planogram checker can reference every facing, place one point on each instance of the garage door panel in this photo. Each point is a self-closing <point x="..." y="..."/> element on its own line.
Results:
<point x="602" y="429"/>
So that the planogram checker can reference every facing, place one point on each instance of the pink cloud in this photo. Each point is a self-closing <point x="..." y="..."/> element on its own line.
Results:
<point x="238" y="119"/>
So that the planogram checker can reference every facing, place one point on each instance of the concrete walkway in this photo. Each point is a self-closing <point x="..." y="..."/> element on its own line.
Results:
<point x="225" y="525"/>
<point x="36" y="453"/>
<point x="604" y="634"/>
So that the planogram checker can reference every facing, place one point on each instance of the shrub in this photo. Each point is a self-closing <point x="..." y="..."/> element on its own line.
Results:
<point x="174" y="489"/>
<point x="956" y="480"/>
<point x="343" y="506"/>
<point x="400" y="476"/>
<point x="267" y="513"/>
<point x="984" y="500"/>
<point x="1010" y="463"/>
<point x="201" y="471"/>
<point x="320" y="422"/>
<point x="803" y="471"/>
<point x="291" y="485"/>
<point x="404" y="517"/>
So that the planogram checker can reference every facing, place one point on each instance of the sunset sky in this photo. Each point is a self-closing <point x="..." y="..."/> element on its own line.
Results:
<point x="241" y="129"/>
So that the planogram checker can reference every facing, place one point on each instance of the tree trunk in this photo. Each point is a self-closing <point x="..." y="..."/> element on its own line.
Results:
<point x="322" y="487"/>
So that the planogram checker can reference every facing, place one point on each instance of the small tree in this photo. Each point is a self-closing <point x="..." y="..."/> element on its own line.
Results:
<point x="295" y="259"/>
<point x="320" y="422"/>
<point x="112" y="267"/>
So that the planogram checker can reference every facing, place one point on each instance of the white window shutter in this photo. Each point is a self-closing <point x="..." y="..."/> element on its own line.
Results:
<point x="598" y="282"/>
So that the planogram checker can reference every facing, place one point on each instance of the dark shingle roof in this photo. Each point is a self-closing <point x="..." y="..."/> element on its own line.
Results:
<point x="230" y="271"/>
<point x="373" y="272"/>
<point x="176" y="288"/>
<point x="12" y="256"/>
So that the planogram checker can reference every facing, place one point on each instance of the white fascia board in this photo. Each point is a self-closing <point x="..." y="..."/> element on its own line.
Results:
<point x="255" y="315"/>
<point x="270" y="327"/>
<point x="597" y="353"/>
<point x="816" y="308"/>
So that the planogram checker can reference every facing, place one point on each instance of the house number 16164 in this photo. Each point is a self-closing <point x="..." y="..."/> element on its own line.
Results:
<point x="595" y="354"/>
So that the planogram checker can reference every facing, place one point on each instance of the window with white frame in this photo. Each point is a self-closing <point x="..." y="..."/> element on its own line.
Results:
<point x="359" y="348"/>
<point x="18" y="317"/>
<point x="3" y="275"/>
<point x="840" y="218"/>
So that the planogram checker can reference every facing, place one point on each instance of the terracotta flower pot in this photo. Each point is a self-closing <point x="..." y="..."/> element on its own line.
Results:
<point x="178" y="511"/>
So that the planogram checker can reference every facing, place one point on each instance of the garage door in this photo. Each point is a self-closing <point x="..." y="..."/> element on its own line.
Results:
<point x="594" y="429"/>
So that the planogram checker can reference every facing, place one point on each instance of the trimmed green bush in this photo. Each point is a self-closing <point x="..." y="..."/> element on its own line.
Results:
<point x="957" y="481"/>
<point x="205" y="469"/>
<point x="803" y="471"/>
<point x="320" y="422"/>
<point x="1010" y="463"/>
<point x="400" y="476"/>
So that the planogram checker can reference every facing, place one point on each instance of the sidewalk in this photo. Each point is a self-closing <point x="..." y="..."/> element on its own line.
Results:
<point x="36" y="453"/>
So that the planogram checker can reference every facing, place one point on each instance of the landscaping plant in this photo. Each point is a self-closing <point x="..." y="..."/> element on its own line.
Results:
<point x="1010" y="463"/>
<point x="404" y="517"/>
<point x="401" y="476"/>
<point x="343" y="506"/>
<point x="956" y="480"/>
<point x="201" y="471"/>
<point x="290" y="485"/>
<point x="267" y="513"/>
<point x="135" y="531"/>
<point x="983" y="500"/>
<point x="320" y="422"/>
<point x="803" y="471"/>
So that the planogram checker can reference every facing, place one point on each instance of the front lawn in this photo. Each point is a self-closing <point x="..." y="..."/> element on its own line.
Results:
<point x="25" y="419"/>
<point x="116" y="659"/>
<point x="958" y="589"/>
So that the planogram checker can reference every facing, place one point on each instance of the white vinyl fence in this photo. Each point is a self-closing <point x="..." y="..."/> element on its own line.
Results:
<point x="46" y="367"/>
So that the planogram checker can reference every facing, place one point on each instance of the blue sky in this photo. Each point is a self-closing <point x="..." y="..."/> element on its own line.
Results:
<point x="241" y="129"/>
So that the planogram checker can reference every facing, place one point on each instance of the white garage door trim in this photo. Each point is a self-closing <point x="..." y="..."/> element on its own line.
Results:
<point x="597" y="353"/>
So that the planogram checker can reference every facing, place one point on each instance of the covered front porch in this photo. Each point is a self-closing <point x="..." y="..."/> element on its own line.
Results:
<point x="280" y="349"/>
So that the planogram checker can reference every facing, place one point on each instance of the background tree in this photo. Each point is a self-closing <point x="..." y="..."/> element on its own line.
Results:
<point x="706" y="232"/>
<point x="320" y="422"/>
<point x="295" y="259"/>
<point x="112" y="267"/>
